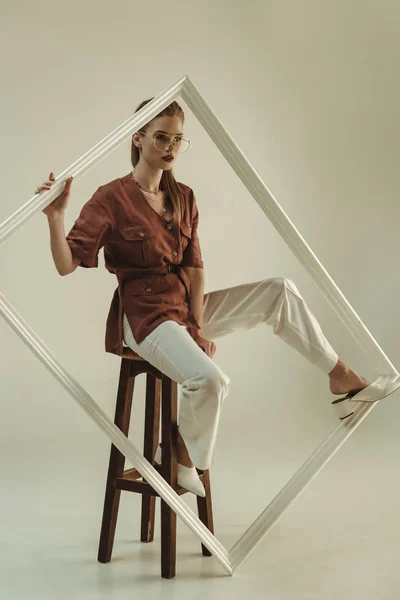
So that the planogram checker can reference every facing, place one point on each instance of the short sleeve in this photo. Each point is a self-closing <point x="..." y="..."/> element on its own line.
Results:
<point x="90" y="230"/>
<point x="192" y="254"/>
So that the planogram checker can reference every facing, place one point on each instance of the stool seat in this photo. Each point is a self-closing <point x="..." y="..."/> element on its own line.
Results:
<point x="130" y="354"/>
<point x="160" y="409"/>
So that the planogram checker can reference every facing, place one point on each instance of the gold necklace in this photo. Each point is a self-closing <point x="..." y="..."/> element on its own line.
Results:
<point x="143" y="188"/>
<point x="163" y="209"/>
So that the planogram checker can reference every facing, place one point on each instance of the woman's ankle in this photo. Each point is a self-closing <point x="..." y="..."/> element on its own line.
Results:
<point x="339" y="370"/>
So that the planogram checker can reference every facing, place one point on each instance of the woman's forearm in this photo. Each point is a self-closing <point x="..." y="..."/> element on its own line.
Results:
<point x="196" y="300"/>
<point x="60" y="249"/>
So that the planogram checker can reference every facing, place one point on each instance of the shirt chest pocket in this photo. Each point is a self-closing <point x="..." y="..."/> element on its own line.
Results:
<point x="139" y="244"/>
<point x="186" y="234"/>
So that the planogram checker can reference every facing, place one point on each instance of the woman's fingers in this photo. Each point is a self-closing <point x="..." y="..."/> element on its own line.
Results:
<point x="46" y="185"/>
<point x="42" y="188"/>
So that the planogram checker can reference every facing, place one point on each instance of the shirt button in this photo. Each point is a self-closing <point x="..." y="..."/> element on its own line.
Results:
<point x="148" y="290"/>
<point x="175" y="253"/>
<point x="169" y="226"/>
<point x="141" y="234"/>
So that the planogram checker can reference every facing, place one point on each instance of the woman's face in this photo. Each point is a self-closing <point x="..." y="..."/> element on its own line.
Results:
<point x="158" y="129"/>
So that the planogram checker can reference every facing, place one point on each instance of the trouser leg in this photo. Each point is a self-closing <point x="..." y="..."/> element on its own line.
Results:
<point x="204" y="386"/>
<point x="276" y="302"/>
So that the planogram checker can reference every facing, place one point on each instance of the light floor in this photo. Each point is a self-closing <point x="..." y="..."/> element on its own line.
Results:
<point x="340" y="539"/>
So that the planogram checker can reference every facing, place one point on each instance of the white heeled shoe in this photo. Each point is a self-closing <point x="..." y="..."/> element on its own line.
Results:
<point x="186" y="477"/>
<point x="343" y="408"/>
<point x="383" y="386"/>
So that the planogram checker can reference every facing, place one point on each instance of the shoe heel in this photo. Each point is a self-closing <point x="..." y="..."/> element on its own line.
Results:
<point x="343" y="408"/>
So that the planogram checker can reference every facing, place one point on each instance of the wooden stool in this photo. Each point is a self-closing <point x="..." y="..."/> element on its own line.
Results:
<point x="130" y="480"/>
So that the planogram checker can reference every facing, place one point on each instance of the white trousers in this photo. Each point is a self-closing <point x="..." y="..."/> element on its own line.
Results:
<point x="204" y="386"/>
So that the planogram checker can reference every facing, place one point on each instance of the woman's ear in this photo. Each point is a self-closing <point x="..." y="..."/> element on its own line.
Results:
<point x="136" y="139"/>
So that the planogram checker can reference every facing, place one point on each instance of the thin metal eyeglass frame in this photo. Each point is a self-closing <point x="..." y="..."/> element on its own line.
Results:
<point x="170" y="138"/>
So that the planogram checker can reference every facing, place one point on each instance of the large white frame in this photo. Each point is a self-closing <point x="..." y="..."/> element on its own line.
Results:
<point x="183" y="87"/>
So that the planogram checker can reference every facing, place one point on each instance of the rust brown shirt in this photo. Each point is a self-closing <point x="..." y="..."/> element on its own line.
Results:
<point x="146" y="252"/>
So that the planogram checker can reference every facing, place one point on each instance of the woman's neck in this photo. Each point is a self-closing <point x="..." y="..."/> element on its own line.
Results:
<point x="148" y="177"/>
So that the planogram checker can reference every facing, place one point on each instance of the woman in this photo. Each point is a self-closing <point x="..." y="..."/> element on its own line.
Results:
<point x="147" y="223"/>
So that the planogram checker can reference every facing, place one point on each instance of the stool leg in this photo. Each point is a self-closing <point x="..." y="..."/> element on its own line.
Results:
<point x="204" y="508"/>
<point x="169" y="435"/>
<point x="116" y="464"/>
<point x="151" y="435"/>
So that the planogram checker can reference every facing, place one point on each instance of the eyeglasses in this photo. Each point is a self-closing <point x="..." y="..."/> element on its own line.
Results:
<point x="162" y="141"/>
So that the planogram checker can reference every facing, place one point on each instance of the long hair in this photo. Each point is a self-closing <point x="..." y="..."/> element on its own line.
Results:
<point x="168" y="181"/>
